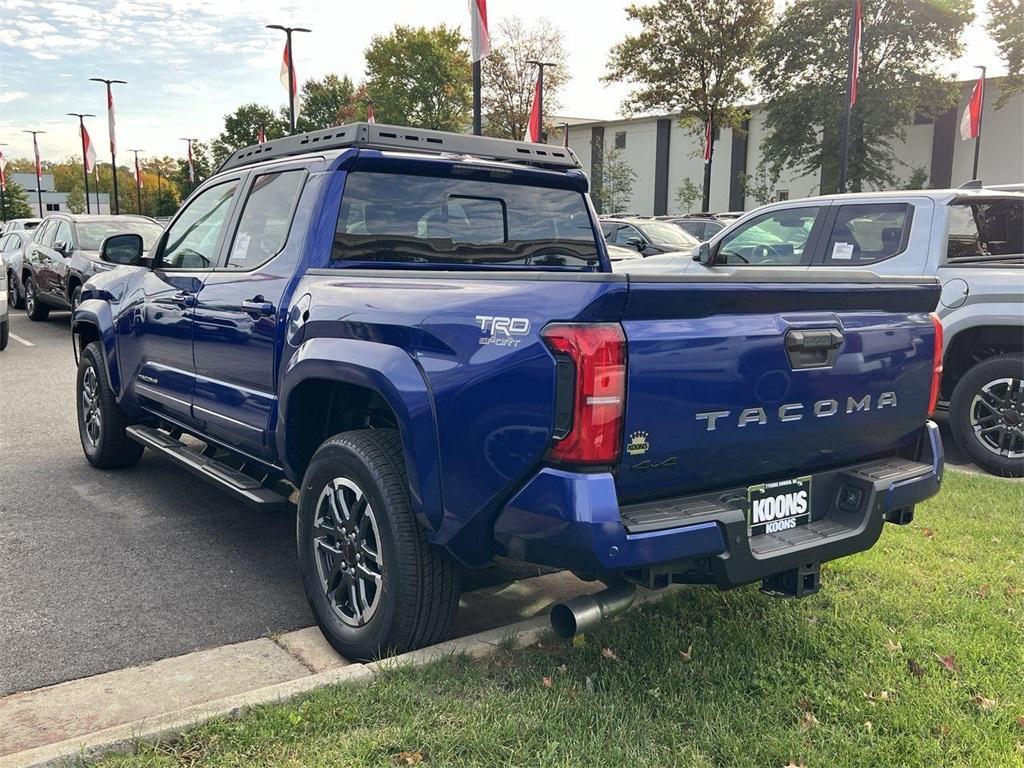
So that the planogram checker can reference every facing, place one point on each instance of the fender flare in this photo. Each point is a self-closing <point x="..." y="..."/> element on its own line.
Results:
<point x="96" y="313"/>
<point x="394" y="375"/>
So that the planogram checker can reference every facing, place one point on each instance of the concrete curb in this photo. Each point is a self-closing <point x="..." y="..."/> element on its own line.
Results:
<point x="164" y="727"/>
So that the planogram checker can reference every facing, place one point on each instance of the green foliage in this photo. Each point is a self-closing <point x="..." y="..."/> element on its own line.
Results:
<point x="616" y="184"/>
<point x="1006" y="26"/>
<point x="420" y="77"/>
<point x="76" y="199"/>
<point x="328" y="102"/>
<point x="16" y="204"/>
<point x="508" y="80"/>
<point x="240" y="128"/>
<point x="202" y="163"/>
<point x="918" y="179"/>
<point x="803" y="79"/>
<point x="760" y="185"/>
<point x="687" y="194"/>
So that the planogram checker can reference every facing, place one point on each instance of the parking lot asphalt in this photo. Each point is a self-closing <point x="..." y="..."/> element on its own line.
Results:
<point x="103" y="570"/>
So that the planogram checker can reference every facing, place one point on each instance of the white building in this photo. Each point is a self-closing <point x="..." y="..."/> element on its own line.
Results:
<point x="663" y="154"/>
<point x="54" y="201"/>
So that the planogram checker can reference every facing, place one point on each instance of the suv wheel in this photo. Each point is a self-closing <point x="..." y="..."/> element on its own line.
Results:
<point x="101" y="424"/>
<point x="76" y="297"/>
<point x="5" y="332"/>
<point x="987" y="414"/>
<point x="12" y="292"/>
<point x="34" y="308"/>
<point x="374" y="582"/>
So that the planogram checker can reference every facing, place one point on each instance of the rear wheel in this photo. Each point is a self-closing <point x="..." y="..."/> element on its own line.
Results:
<point x="34" y="308"/>
<point x="76" y="297"/>
<point x="12" y="292"/>
<point x="101" y="424"/>
<point x="5" y="332"/>
<point x="374" y="582"/>
<point x="986" y="414"/>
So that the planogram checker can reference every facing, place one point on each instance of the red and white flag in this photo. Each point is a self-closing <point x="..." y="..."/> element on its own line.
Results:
<point x="111" y="120"/>
<point x="289" y="78"/>
<point x="261" y="135"/>
<point x="191" y="168"/>
<point x="533" y="124"/>
<point x="3" y="171"/>
<point x="480" y="36"/>
<point x="708" y="139"/>
<point x="970" y="123"/>
<point x="138" y="172"/>
<point x="369" y="114"/>
<point x="39" y="163"/>
<point x="88" y="149"/>
<point x="858" y="23"/>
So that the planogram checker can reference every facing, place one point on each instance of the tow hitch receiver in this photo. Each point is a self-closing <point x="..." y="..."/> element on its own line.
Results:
<point x="801" y="581"/>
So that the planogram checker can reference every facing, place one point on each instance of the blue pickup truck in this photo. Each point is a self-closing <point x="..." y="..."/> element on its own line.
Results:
<point x="421" y="333"/>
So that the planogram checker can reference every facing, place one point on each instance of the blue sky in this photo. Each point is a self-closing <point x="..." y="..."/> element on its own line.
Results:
<point x="188" y="63"/>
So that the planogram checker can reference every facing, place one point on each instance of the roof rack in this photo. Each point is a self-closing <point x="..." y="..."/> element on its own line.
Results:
<point x="379" y="136"/>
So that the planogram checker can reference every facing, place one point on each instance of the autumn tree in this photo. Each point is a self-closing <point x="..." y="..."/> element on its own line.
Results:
<point x="241" y="128"/>
<point x="1006" y="26"/>
<point x="691" y="57"/>
<point x="803" y="76"/>
<point x="508" y="77"/>
<point x="330" y="101"/>
<point x="420" y="77"/>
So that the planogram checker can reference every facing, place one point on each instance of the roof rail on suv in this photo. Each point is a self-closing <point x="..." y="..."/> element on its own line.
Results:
<point x="379" y="136"/>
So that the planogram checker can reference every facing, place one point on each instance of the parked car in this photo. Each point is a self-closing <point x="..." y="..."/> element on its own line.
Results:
<point x="19" y="225"/>
<point x="699" y="227"/>
<point x="646" y="236"/>
<point x="5" y="320"/>
<point x="64" y="253"/>
<point x="971" y="239"/>
<point x="12" y="248"/>
<point x="418" y="330"/>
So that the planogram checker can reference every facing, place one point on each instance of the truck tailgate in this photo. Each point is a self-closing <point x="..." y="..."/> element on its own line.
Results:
<point x="768" y="374"/>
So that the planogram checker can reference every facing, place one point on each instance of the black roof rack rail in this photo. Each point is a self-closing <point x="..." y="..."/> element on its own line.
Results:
<point x="380" y="136"/>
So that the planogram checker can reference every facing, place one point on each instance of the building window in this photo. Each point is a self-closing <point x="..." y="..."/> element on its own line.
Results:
<point x="53" y="206"/>
<point x="782" y="194"/>
<point x="620" y="139"/>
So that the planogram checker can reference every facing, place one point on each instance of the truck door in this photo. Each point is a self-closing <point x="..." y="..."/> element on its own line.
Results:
<point x="241" y="313"/>
<point x="154" y="332"/>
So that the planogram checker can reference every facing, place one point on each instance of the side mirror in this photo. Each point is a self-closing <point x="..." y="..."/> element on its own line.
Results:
<point x="635" y="242"/>
<point x="125" y="248"/>
<point x="702" y="254"/>
<point x="63" y="247"/>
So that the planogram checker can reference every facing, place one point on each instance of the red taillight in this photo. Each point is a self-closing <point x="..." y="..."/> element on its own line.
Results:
<point x="933" y="398"/>
<point x="598" y="354"/>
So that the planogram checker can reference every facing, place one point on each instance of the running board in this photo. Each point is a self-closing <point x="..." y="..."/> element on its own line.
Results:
<point x="237" y="484"/>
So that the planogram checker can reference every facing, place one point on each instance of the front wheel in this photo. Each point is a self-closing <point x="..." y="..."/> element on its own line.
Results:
<point x="34" y="308"/>
<point x="12" y="292"/>
<point x="5" y="332"/>
<point x="101" y="424"/>
<point x="986" y="414"/>
<point x="374" y="582"/>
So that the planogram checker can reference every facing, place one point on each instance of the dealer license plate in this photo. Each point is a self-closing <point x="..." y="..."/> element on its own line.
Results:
<point x="778" y="506"/>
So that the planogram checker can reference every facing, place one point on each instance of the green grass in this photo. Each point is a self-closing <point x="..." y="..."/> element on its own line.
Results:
<point x="950" y="583"/>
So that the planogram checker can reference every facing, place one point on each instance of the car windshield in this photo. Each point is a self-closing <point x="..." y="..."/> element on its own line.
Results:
<point x="660" y="233"/>
<point x="92" y="233"/>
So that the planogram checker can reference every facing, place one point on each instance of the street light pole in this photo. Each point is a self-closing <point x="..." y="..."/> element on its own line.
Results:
<point x="291" y="68"/>
<point x="39" y="170"/>
<point x="541" y="65"/>
<point x="113" y="141"/>
<point x="3" y="188"/>
<point x="138" y="179"/>
<point x="85" y="160"/>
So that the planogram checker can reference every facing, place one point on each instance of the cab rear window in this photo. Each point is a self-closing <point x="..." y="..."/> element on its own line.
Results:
<point x="396" y="218"/>
<point x="986" y="230"/>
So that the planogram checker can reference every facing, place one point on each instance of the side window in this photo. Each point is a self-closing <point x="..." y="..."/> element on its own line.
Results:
<point x="695" y="228"/>
<point x="985" y="229"/>
<point x="864" y="234"/>
<point x="266" y="219"/>
<point x="15" y="242"/>
<point x="5" y="243"/>
<point x="191" y="241"/>
<point x="607" y="229"/>
<point x="772" y="239"/>
<point x="63" y="234"/>
<point x="625" y="234"/>
<point x="46" y="232"/>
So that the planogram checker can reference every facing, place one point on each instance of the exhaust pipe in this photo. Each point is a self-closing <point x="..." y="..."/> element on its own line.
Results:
<point x="585" y="611"/>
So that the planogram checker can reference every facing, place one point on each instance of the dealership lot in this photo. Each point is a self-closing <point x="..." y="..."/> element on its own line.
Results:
<point x="107" y="570"/>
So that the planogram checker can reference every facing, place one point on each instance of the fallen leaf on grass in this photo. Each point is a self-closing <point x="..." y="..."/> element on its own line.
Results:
<point x="983" y="590"/>
<point x="579" y="641"/>
<point x="1020" y="721"/>
<point x="948" y="662"/>
<point x="804" y="705"/>
<point x="808" y="721"/>
<point x="608" y="653"/>
<point x="928" y="533"/>
<point x="407" y="758"/>
<point x="563" y="668"/>
<point x="882" y="696"/>
<point x="547" y="682"/>
<point x="893" y="647"/>
<point x="590" y="684"/>
<point x="868" y="726"/>
<point x="915" y="669"/>
<point x="687" y="655"/>
<point x="983" y="703"/>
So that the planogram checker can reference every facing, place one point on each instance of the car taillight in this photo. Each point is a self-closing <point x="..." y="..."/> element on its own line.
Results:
<point x="933" y="398"/>
<point x="590" y="392"/>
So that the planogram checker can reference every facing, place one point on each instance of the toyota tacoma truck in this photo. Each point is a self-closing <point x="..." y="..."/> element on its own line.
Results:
<point x="421" y="333"/>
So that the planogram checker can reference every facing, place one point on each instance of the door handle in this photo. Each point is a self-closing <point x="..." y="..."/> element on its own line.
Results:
<point x="184" y="299"/>
<point x="256" y="306"/>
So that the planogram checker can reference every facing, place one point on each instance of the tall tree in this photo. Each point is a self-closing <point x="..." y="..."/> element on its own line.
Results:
<point x="803" y="79"/>
<point x="330" y="101"/>
<point x="1006" y="26"/>
<point x="615" y="189"/>
<point x="241" y="126"/>
<point x="691" y="57"/>
<point x="508" y="77"/>
<point x="420" y="77"/>
<point x="16" y="202"/>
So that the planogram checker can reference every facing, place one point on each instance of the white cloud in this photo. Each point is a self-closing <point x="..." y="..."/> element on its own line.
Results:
<point x="9" y="96"/>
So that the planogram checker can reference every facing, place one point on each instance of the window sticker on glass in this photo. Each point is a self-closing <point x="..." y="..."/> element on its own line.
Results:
<point x="842" y="251"/>
<point x="241" y="246"/>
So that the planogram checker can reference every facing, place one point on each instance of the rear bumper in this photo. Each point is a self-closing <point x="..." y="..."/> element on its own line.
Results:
<point x="573" y="520"/>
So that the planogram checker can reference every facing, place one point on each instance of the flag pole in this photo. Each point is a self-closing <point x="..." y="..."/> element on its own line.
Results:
<point x="844" y="156"/>
<point x="39" y="169"/>
<point x="477" y="87"/>
<point x="542" y="137"/>
<point x="85" y="160"/>
<point x="981" y="114"/>
<point x="292" y="90"/>
<point x="3" y="186"/>
<point x="138" y="179"/>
